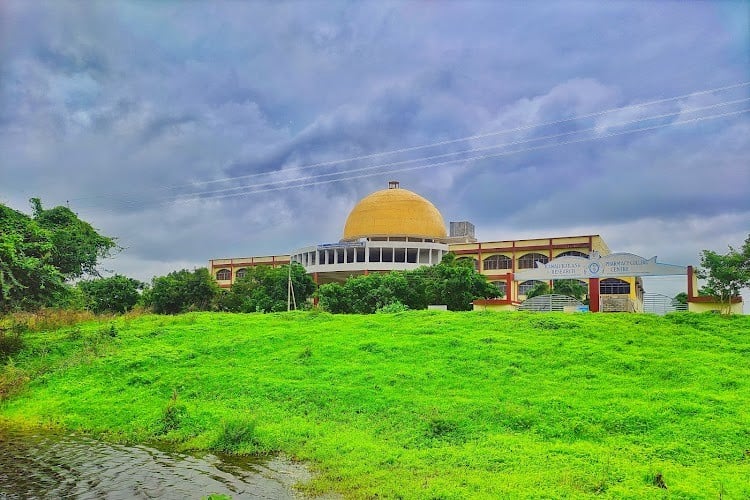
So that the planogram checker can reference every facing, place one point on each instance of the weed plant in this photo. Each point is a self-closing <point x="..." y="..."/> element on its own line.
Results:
<point x="417" y="404"/>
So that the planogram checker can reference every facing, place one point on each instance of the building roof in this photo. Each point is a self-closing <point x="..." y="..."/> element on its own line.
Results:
<point x="394" y="212"/>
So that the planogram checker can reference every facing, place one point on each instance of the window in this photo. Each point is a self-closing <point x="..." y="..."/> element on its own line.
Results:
<point x="614" y="286"/>
<point x="501" y="285"/>
<point x="469" y="259"/>
<point x="527" y="286"/>
<point x="529" y="260"/>
<point x="573" y="253"/>
<point x="498" y="262"/>
<point x="223" y="275"/>
<point x="241" y="273"/>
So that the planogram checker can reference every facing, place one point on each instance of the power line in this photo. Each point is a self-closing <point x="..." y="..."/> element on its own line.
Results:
<point x="547" y="146"/>
<point x="198" y="195"/>
<point x="465" y="151"/>
<point x="478" y="136"/>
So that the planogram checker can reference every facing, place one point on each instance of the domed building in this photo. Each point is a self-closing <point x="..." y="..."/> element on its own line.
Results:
<point x="397" y="229"/>
<point x="392" y="229"/>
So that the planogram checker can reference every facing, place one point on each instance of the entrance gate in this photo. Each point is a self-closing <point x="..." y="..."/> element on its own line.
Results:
<point x="596" y="267"/>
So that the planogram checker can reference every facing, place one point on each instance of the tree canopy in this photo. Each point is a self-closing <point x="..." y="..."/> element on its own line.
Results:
<point x="38" y="254"/>
<point x="453" y="282"/>
<point x="726" y="274"/>
<point x="182" y="291"/>
<point x="265" y="289"/>
<point x="116" y="293"/>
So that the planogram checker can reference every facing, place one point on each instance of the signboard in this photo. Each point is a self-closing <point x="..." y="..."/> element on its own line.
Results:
<point x="609" y="266"/>
<point x="342" y="244"/>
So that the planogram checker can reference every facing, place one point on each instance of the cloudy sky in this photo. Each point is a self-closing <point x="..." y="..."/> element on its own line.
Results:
<point x="199" y="130"/>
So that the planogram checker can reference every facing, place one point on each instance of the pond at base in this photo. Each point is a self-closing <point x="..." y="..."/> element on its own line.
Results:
<point x="44" y="465"/>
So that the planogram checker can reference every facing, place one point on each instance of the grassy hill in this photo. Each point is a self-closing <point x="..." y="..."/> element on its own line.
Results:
<point x="418" y="404"/>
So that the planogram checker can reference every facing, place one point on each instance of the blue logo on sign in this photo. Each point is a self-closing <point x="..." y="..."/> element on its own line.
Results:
<point x="594" y="268"/>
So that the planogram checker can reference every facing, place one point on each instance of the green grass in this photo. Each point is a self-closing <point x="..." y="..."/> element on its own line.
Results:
<point x="419" y="404"/>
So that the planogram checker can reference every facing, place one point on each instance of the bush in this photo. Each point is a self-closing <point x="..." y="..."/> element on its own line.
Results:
<point x="12" y="380"/>
<point x="11" y="341"/>
<point x="236" y="433"/>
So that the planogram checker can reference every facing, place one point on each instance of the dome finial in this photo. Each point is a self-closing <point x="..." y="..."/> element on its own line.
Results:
<point x="393" y="184"/>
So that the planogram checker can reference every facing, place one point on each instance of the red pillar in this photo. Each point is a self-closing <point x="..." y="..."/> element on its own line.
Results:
<point x="315" y="298"/>
<point x="594" y="294"/>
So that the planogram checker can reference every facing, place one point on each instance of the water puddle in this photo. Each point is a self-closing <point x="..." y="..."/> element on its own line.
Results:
<point x="46" y="465"/>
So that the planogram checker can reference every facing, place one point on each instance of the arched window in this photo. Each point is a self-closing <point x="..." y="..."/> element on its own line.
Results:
<point x="527" y="286"/>
<point x="223" y="275"/>
<point x="498" y="262"/>
<point x="241" y="273"/>
<point x="501" y="285"/>
<point x="471" y="259"/>
<point x="529" y="260"/>
<point x="573" y="253"/>
<point x="613" y="286"/>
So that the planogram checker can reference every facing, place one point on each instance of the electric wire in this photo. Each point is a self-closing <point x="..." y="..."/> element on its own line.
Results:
<point x="465" y="151"/>
<point x="465" y="160"/>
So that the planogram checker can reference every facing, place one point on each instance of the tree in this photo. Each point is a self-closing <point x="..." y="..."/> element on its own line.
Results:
<point x="541" y="288"/>
<point x="726" y="275"/>
<point x="28" y="279"/>
<point x="38" y="254"/>
<point x="182" y="291"/>
<point x="265" y="289"/>
<point x="116" y="294"/>
<point x="76" y="246"/>
<point x="571" y="288"/>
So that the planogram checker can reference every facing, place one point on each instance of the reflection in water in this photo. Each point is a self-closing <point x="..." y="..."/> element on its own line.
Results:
<point x="43" y="465"/>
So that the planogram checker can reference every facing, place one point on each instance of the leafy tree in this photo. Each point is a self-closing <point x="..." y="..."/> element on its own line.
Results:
<point x="680" y="298"/>
<point x="182" y="291"/>
<point x="453" y="282"/>
<point x="37" y="255"/>
<point x="541" y="288"/>
<point x="114" y="294"/>
<point x="27" y="277"/>
<point x="265" y="289"/>
<point x="571" y="288"/>
<point x="76" y="246"/>
<point x="726" y="275"/>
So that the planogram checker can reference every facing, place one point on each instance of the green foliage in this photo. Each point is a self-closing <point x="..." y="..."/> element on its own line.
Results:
<point x="174" y="415"/>
<point x="76" y="246"/>
<point x="117" y="294"/>
<point x="38" y="254"/>
<point x="11" y="340"/>
<point x="726" y="275"/>
<point x="28" y="279"/>
<point x="418" y="405"/>
<point x="182" y="291"/>
<point x="541" y="288"/>
<point x="264" y="289"/>
<point x="680" y="298"/>
<point x="12" y="380"/>
<point x="393" y="307"/>
<point x="235" y="434"/>
<point x="571" y="288"/>
<point x="453" y="282"/>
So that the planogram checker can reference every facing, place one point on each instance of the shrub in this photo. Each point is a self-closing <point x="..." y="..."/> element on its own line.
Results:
<point x="12" y="380"/>
<point x="11" y="340"/>
<point x="234" y="434"/>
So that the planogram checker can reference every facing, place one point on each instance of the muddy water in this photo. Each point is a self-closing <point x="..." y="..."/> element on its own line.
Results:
<point x="45" y="465"/>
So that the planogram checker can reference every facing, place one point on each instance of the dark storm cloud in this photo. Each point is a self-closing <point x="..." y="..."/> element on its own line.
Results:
<point x="129" y="110"/>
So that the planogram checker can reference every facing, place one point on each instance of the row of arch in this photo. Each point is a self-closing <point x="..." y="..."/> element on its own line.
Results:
<point x="526" y="261"/>
<point x="226" y="274"/>
<point x="608" y="286"/>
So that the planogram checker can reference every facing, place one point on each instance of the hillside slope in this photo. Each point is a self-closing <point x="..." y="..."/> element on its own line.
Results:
<point x="420" y="404"/>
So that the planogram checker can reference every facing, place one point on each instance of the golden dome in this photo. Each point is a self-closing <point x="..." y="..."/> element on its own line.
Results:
<point x="394" y="212"/>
